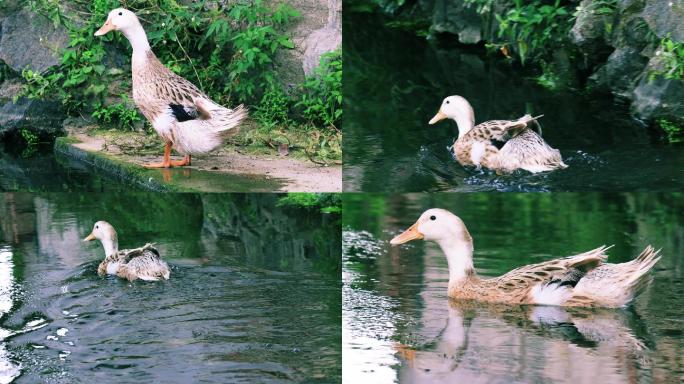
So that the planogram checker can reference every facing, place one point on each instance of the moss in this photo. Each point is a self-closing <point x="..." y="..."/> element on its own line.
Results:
<point x="674" y="132"/>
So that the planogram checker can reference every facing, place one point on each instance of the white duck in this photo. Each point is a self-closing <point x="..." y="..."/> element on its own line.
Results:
<point x="583" y="280"/>
<point x="142" y="263"/>
<point x="182" y="115"/>
<point x="524" y="148"/>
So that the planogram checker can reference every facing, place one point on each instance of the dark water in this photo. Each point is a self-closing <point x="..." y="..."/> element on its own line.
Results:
<point x="395" y="81"/>
<point x="254" y="294"/>
<point x="399" y="325"/>
<point x="41" y="170"/>
<point x="44" y="170"/>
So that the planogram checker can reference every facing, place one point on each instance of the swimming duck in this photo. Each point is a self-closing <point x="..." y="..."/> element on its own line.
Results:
<point x="185" y="118"/>
<point x="583" y="280"/>
<point x="523" y="148"/>
<point x="142" y="263"/>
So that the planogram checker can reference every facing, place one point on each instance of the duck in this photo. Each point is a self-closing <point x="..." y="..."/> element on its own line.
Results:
<point x="182" y="115"/>
<point x="582" y="280"/>
<point x="475" y="146"/>
<point x="144" y="263"/>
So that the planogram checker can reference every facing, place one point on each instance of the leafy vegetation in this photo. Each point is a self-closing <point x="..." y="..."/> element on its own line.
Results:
<point x="321" y="99"/>
<point x="31" y="140"/>
<point x="532" y="29"/>
<point x="674" y="133"/>
<point x="325" y="202"/>
<point x="670" y="56"/>
<point x="227" y="48"/>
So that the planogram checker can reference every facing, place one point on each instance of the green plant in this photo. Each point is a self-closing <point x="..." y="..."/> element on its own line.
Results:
<point x="321" y="99"/>
<point x="234" y="44"/>
<point x="227" y="48"/>
<point x="325" y="202"/>
<point x="122" y="114"/>
<point x="532" y="29"/>
<point x="674" y="133"/>
<point x="31" y="140"/>
<point x="273" y="109"/>
<point x="670" y="60"/>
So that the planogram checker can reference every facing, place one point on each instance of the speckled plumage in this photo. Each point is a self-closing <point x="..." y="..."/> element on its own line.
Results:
<point x="142" y="263"/>
<point x="187" y="119"/>
<point x="583" y="280"/>
<point x="523" y="148"/>
<point x="156" y="89"/>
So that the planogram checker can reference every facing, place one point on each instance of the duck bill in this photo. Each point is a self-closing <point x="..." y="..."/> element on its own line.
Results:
<point x="410" y="234"/>
<point x="108" y="26"/>
<point x="438" y="117"/>
<point x="90" y="237"/>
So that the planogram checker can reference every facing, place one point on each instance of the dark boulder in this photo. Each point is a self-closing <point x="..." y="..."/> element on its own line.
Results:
<point x="44" y="118"/>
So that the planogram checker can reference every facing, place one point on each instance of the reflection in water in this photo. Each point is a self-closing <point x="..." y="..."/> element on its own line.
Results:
<point x="226" y="314"/>
<point x="8" y="369"/>
<point x="537" y="343"/>
<point x="400" y="326"/>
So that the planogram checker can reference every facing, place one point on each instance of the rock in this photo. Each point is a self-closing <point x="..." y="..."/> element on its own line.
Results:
<point x="316" y="31"/>
<point x="621" y="71"/>
<point x="31" y="40"/>
<point x="665" y="17"/>
<point x="458" y="18"/>
<point x="41" y="117"/>
<point x="323" y="40"/>
<point x="591" y="30"/>
<point x="659" y="98"/>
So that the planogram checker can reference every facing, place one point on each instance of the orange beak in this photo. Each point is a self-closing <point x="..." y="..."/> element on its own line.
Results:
<point x="90" y="237"/>
<point x="439" y="116"/>
<point x="410" y="234"/>
<point x="108" y="26"/>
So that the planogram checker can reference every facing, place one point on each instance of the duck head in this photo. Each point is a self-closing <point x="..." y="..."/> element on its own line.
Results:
<point x="104" y="232"/>
<point x="126" y="22"/>
<point x="119" y="19"/>
<point x="449" y="231"/>
<point x="458" y="109"/>
<point x="438" y="225"/>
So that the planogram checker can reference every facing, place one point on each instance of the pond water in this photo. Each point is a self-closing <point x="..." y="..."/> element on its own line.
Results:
<point x="40" y="170"/>
<point x="45" y="170"/>
<point x="254" y="294"/>
<point x="398" y="324"/>
<point x="394" y="82"/>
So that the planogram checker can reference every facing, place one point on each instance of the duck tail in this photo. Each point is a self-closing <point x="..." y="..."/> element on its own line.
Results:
<point x="208" y="131"/>
<point x="222" y="119"/>
<point x="639" y="278"/>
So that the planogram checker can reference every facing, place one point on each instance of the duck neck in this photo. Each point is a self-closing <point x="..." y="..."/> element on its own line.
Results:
<point x="465" y="124"/>
<point x="459" y="254"/>
<point x="138" y="39"/>
<point x="111" y="246"/>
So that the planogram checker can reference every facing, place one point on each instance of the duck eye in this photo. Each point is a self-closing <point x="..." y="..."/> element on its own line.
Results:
<point x="120" y="13"/>
<point x="447" y="101"/>
<point x="97" y="227"/>
<point x="433" y="218"/>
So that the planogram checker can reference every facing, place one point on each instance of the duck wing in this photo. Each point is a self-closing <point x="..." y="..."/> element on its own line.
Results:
<point x="144" y="263"/>
<point x="550" y="282"/>
<point x="502" y="130"/>
<point x="157" y="90"/>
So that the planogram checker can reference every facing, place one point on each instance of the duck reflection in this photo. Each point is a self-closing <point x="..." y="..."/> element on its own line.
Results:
<point x="528" y="344"/>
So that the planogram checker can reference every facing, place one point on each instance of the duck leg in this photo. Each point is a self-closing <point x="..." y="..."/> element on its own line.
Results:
<point x="167" y="162"/>
<point x="180" y="163"/>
